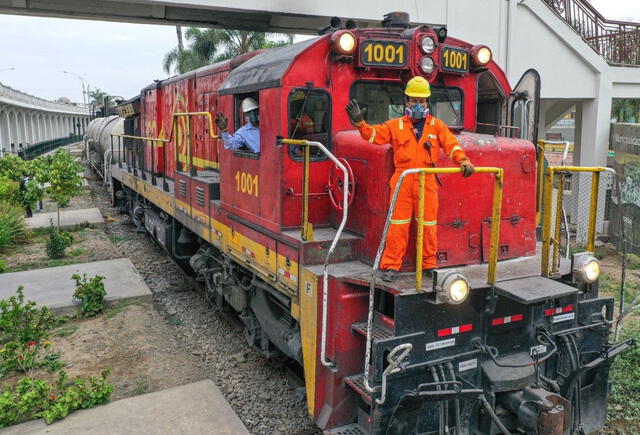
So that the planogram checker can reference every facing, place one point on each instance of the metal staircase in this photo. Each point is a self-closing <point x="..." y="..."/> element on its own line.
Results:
<point x="617" y="41"/>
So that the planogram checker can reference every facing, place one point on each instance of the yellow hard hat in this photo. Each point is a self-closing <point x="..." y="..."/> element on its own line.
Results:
<point x="418" y="87"/>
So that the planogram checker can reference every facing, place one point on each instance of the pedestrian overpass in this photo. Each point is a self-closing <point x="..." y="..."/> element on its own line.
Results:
<point x="583" y="59"/>
<point x="26" y="121"/>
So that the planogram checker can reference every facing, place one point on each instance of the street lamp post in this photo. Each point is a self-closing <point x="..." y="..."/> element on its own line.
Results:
<point x="84" y="92"/>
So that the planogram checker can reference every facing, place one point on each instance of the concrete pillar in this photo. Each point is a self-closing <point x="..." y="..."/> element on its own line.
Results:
<point x="32" y="122"/>
<point x="3" y="132"/>
<point x="10" y="129"/>
<point x="25" y="128"/>
<point x="19" y="130"/>
<point x="593" y="119"/>
<point x="52" y="132"/>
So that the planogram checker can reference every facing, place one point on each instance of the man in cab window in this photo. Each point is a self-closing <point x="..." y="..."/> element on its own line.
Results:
<point x="247" y="136"/>
<point x="416" y="138"/>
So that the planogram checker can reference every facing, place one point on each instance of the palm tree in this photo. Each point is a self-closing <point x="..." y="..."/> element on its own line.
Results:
<point x="201" y="50"/>
<point x="237" y="42"/>
<point x="212" y="45"/>
<point x="97" y="96"/>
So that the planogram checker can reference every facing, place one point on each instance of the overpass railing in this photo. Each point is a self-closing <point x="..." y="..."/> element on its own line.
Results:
<point x="617" y="41"/>
<point x="40" y="148"/>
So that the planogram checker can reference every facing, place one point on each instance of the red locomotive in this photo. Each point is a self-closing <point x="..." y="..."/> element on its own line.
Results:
<point x="527" y="351"/>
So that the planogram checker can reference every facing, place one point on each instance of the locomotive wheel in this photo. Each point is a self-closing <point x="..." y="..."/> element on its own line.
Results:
<point x="336" y="185"/>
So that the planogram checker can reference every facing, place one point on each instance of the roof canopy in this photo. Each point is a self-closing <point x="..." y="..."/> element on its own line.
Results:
<point x="264" y="70"/>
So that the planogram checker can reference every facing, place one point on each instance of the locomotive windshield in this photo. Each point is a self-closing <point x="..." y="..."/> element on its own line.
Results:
<point x="386" y="100"/>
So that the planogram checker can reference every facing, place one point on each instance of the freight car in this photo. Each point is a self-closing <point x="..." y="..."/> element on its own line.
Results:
<point x="505" y="338"/>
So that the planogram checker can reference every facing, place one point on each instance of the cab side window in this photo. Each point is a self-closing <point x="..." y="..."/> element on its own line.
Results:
<point x="242" y="117"/>
<point x="310" y="119"/>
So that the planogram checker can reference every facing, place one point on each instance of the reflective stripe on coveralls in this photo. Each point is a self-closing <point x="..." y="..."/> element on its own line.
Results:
<point x="408" y="152"/>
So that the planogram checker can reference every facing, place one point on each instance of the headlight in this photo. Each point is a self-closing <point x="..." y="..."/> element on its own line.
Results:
<point x="428" y="45"/>
<point x="453" y="288"/>
<point x="585" y="268"/>
<point x="427" y="65"/>
<point x="481" y="55"/>
<point x="343" y="42"/>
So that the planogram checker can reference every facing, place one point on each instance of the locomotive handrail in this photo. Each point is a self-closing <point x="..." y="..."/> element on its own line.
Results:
<point x="174" y="118"/>
<point x="493" y="247"/>
<point x="305" y="221"/>
<point x="547" y="240"/>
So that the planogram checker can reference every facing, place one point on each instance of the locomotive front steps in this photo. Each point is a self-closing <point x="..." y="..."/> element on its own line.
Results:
<point x="315" y="251"/>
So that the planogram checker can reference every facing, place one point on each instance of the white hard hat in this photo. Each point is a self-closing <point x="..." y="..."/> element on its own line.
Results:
<point x="249" y="104"/>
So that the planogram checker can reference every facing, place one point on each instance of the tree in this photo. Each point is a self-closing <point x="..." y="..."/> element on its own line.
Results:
<point x="65" y="183"/>
<point x="97" y="96"/>
<point x="235" y="42"/>
<point x="207" y="46"/>
<point x="624" y="110"/>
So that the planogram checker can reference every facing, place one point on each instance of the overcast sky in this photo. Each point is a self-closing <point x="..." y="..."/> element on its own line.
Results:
<point x="118" y="58"/>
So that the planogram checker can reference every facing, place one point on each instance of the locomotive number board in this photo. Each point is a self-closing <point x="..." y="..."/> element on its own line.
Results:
<point x="383" y="53"/>
<point x="455" y="60"/>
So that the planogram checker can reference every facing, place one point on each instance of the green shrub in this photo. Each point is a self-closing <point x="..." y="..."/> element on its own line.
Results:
<point x="633" y="261"/>
<point x="24" y="330"/>
<point x="91" y="293"/>
<point x="3" y="267"/>
<point x="624" y="401"/>
<point x="9" y="190"/>
<point x="57" y="243"/>
<point x="34" y="398"/>
<point x="12" y="226"/>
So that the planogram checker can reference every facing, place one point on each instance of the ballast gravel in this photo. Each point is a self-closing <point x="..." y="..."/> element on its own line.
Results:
<point x="261" y="393"/>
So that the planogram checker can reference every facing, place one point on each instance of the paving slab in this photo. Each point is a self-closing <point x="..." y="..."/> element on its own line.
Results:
<point x="54" y="287"/>
<point x="68" y="218"/>
<point x="197" y="408"/>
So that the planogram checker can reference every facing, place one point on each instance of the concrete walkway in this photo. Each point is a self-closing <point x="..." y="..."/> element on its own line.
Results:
<point x="68" y="218"/>
<point x="54" y="287"/>
<point x="197" y="408"/>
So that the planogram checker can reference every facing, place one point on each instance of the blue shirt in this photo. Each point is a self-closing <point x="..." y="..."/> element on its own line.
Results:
<point x="247" y="135"/>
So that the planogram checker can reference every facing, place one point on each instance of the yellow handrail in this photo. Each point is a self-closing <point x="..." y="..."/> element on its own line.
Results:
<point x="174" y="120"/>
<point x="495" y="218"/>
<point x="547" y="240"/>
<point x="307" y="227"/>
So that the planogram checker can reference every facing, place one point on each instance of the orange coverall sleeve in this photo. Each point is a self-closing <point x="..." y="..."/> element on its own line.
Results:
<point x="451" y="146"/>
<point x="377" y="134"/>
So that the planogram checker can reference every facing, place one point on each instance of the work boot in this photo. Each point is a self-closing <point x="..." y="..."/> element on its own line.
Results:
<point x="389" y="275"/>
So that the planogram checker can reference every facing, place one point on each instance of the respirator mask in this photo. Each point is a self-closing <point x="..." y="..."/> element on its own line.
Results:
<point x="253" y="117"/>
<point x="417" y="111"/>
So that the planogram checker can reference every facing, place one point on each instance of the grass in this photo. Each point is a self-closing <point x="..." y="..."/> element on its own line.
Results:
<point x="12" y="226"/>
<point x="624" y="401"/>
<point x="115" y="238"/>
<point x="65" y="331"/>
<point x="611" y="287"/>
<point x="77" y="252"/>
<point x="39" y="264"/>
<point x="119" y="307"/>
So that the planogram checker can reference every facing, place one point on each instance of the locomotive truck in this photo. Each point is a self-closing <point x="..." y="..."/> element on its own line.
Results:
<point x="506" y="337"/>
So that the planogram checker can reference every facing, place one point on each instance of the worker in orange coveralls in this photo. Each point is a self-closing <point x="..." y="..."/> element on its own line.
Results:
<point x="416" y="138"/>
